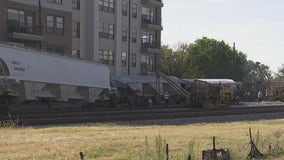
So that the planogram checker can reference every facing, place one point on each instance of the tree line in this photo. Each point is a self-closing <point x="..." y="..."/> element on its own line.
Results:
<point x="212" y="59"/>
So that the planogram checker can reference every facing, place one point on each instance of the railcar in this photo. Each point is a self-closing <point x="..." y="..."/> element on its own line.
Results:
<point x="34" y="75"/>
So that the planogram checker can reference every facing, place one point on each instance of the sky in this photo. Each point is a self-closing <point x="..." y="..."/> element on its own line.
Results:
<point x="256" y="26"/>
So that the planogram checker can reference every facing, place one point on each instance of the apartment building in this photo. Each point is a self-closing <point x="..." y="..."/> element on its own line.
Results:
<point x="123" y="34"/>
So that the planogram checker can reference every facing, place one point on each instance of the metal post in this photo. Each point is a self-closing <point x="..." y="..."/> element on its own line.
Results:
<point x="233" y="61"/>
<point x="81" y="156"/>
<point x="214" y="149"/>
<point x="167" y="152"/>
<point x="39" y="21"/>
<point x="189" y="157"/>
<point x="129" y="33"/>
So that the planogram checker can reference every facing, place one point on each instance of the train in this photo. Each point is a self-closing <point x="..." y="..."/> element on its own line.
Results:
<point x="29" y="75"/>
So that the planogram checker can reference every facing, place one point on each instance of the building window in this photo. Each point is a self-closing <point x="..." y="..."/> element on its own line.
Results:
<point x="59" y="25"/>
<point x="124" y="8"/>
<point x="106" y="30"/>
<point x="55" y="1"/>
<point x="147" y="40"/>
<point x="133" y="60"/>
<point x="20" y="21"/>
<point x="30" y="24"/>
<point x="76" y="29"/>
<point x="76" y="4"/>
<point x="54" y="24"/>
<point x="124" y="34"/>
<point x="134" y="35"/>
<point x="49" y="24"/>
<point x="150" y="63"/>
<point x="147" y="15"/>
<point x="106" y="57"/>
<point x="106" y="6"/>
<point x="76" y="53"/>
<point x="147" y="63"/>
<point x="123" y="59"/>
<point x="55" y="49"/>
<point x="134" y="10"/>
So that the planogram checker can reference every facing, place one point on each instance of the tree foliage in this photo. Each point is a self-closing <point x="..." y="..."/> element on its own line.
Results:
<point x="209" y="58"/>
<point x="205" y="58"/>
<point x="173" y="62"/>
<point x="280" y="75"/>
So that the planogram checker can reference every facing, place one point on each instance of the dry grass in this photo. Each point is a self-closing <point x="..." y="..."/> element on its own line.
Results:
<point x="112" y="142"/>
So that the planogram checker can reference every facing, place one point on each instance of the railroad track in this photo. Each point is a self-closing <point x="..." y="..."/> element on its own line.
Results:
<point x="35" y="117"/>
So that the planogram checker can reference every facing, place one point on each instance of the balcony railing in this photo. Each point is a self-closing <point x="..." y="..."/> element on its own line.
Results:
<point x="148" y="22"/>
<point x="147" y="45"/>
<point x="25" y="32"/>
<point x="16" y="28"/>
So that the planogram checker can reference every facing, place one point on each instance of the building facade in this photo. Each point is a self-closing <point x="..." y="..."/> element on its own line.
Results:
<point x="43" y="25"/>
<point x="123" y="34"/>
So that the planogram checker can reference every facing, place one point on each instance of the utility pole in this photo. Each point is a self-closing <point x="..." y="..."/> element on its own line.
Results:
<point x="40" y="23"/>
<point x="129" y="33"/>
<point x="233" y="62"/>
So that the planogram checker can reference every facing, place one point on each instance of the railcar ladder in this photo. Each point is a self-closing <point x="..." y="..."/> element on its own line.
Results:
<point x="174" y="85"/>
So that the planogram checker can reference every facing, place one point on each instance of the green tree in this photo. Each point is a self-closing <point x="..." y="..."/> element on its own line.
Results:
<point x="209" y="58"/>
<point x="250" y="72"/>
<point x="173" y="62"/>
<point x="279" y="77"/>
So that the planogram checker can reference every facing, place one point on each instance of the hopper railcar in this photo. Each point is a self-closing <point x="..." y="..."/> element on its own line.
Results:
<point x="34" y="75"/>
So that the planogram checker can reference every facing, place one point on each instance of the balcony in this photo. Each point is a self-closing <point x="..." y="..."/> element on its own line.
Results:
<point x="24" y="32"/>
<point x="157" y="3"/>
<point x="147" y="47"/>
<point x="149" y="23"/>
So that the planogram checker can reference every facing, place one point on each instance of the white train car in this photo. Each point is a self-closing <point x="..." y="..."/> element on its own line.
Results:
<point x="36" y="75"/>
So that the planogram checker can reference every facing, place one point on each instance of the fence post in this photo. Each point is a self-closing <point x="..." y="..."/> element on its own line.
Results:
<point x="214" y="149"/>
<point x="81" y="155"/>
<point x="167" y="151"/>
<point x="189" y="157"/>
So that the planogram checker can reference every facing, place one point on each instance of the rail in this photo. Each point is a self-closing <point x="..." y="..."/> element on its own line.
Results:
<point x="159" y="115"/>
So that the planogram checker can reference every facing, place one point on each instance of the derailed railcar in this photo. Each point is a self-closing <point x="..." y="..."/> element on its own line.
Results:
<point x="210" y="93"/>
<point x="34" y="75"/>
<point x="220" y="92"/>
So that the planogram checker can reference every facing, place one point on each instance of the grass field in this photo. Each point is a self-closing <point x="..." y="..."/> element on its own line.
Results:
<point x="113" y="142"/>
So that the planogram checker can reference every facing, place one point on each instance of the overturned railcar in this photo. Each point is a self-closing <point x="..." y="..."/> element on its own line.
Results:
<point x="34" y="75"/>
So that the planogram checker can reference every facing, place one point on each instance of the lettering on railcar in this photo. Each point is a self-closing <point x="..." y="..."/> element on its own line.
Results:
<point x="20" y="69"/>
<point x="16" y="62"/>
<point x="18" y="66"/>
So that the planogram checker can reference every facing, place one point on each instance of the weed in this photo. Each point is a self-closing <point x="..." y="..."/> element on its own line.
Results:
<point x="126" y="157"/>
<point x="147" y="153"/>
<point x="271" y="144"/>
<point x="95" y="152"/>
<point x="193" y="149"/>
<point x="275" y="147"/>
<point x="160" y="149"/>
